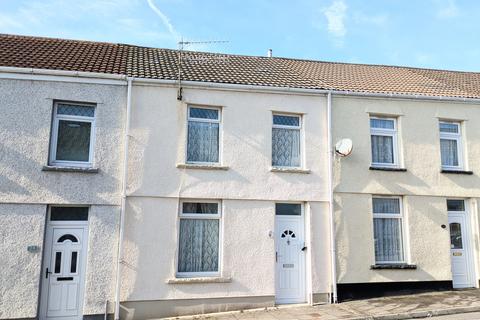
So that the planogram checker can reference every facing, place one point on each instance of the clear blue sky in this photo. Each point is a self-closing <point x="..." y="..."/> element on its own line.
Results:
<point x="441" y="34"/>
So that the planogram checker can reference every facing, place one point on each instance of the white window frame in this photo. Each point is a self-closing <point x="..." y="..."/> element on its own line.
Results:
<point x="220" y="134"/>
<point x="452" y="136"/>
<point x="217" y="216"/>
<point x="299" y="128"/>
<point x="385" y="132"/>
<point x="399" y="216"/>
<point x="55" y="123"/>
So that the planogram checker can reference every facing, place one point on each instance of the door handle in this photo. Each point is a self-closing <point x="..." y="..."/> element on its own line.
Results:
<point x="47" y="273"/>
<point x="304" y="248"/>
<point x="276" y="256"/>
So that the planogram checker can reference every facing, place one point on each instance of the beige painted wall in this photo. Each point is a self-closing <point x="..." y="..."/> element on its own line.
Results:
<point x="428" y="244"/>
<point x="419" y="143"/>
<point x="248" y="191"/>
<point x="423" y="187"/>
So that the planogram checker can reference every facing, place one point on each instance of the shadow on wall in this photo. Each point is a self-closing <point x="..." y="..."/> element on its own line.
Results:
<point x="22" y="179"/>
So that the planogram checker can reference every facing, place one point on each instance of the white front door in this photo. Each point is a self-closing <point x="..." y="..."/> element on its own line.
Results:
<point x="290" y="259"/>
<point x="63" y="272"/>
<point x="460" y="254"/>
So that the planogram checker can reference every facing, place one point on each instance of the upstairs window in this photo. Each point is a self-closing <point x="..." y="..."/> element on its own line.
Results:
<point x="383" y="137"/>
<point x="72" y="135"/>
<point x="203" y="135"/>
<point x="451" y="145"/>
<point x="286" y="137"/>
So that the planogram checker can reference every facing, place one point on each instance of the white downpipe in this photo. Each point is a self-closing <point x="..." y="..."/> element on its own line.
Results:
<point x="333" y="253"/>
<point x="124" y="200"/>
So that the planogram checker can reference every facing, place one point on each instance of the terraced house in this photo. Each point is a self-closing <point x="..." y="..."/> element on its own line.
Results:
<point x="147" y="182"/>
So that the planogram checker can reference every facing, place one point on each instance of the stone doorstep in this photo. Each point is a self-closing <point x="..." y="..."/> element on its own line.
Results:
<point x="393" y="316"/>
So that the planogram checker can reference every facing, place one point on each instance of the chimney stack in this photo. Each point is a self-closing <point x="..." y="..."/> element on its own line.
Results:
<point x="270" y="53"/>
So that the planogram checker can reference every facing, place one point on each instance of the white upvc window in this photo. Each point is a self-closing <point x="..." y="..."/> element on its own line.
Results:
<point x="199" y="238"/>
<point x="73" y="135"/>
<point x="383" y="138"/>
<point x="451" y="145"/>
<point x="388" y="230"/>
<point x="286" y="141"/>
<point x="203" y="137"/>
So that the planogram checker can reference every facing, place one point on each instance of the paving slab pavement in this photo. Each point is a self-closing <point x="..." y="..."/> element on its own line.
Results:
<point x="411" y="306"/>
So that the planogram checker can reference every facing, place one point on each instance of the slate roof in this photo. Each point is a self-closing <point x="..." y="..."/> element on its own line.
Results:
<point x="156" y="63"/>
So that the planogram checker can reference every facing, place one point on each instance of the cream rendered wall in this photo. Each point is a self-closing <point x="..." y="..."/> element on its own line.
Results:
<point x="101" y="258"/>
<point x="158" y="131"/>
<point x="423" y="187"/>
<point x="248" y="191"/>
<point x="320" y="247"/>
<point x="247" y="251"/>
<point x="25" y="190"/>
<point x="151" y="250"/>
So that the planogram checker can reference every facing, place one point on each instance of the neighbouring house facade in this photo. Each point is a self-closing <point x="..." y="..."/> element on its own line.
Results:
<point x="59" y="226"/>
<point x="131" y="188"/>
<point x="406" y="200"/>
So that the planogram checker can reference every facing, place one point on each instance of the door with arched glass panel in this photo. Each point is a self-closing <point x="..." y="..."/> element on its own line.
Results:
<point x="64" y="267"/>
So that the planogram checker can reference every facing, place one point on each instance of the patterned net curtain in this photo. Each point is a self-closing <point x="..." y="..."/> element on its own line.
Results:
<point x="285" y="147"/>
<point x="202" y="142"/>
<point x="387" y="231"/>
<point x="199" y="239"/>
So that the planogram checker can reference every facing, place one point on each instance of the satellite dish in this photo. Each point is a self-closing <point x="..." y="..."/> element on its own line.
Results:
<point x="344" y="147"/>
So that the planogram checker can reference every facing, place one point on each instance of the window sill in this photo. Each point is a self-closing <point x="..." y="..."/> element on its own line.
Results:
<point x="69" y="169"/>
<point x="457" y="171"/>
<point x="388" y="169"/>
<point x="289" y="170"/>
<point x="199" y="280"/>
<point x="201" y="166"/>
<point x="394" y="266"/>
